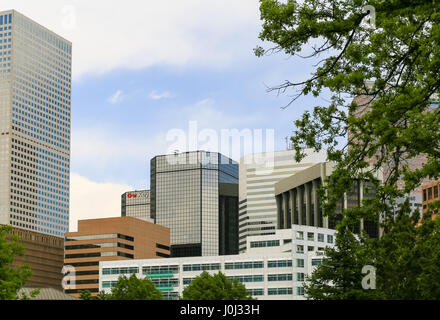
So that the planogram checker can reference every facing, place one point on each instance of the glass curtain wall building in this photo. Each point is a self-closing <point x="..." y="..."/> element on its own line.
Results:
<point x="136" y="204"/>
<point x="195" y="194"/>
<point x="35" y="106"/>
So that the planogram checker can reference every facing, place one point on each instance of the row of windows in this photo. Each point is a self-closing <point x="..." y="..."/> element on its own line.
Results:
<point x="6" y="19"/>
<point x="217" y="266"/>
<point x="244" y="265"/>
<point x="430" y="193"/>
<point x="247" y="278"/>
<point x="160" y="270"/>
<point x="264" y="244"/>
<point x="121" y="270"/>
<point x="201" y="267"/>
<point x="99" y="254"/>
<point x="279" y="277"/>
<point x="253" y="291"/>
<point x="279" y="291"/>
<point x="101" y="236"/>
<point x="100" y="245"/>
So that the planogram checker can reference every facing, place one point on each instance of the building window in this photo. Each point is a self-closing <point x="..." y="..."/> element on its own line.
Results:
<point x="329" y="238"/>
<point x="247" y="278"/>
<point x="435" y="192"/>
<point x="300" y="235"/>
<point x="320" y="237"/>
<point x="121" y="270"/>
<point x="300" y="291"/>
<point x="201" y="267"/>
<point x="163" y="255"/>
<point x="310" y="236"/>
<point x="316" y="262"/>
<point x="299" y="276"/>
<point x="279" y="264"/>
<point x="279" y="291"/>
<point x="265" y="244"/>
<point x="256" y="292"/>
<point x="429" y="193"/>
<point x="424" y="195"/>
<point x="160" y="270"/>
<point x="279" y="277"/>
<point x="161" y="246"/>
<point x="300" y="263"/>
<point x="244" y="265"/>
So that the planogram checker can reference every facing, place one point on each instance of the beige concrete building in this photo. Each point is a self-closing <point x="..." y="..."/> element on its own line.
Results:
<point x="298" y="201"/>
<point x="45" y="256"/>
<point x="120" y="238"/>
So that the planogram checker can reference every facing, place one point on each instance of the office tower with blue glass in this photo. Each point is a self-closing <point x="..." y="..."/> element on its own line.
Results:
<point x="195" y="194"/>
<point x="35" y="105"/>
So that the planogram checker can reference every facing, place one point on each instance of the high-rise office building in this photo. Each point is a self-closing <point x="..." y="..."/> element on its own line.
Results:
<point x="195" y="194"/>
<point x="136" y="204"/>
<point x="258" y="175"/>
<point x="35" y="104"/>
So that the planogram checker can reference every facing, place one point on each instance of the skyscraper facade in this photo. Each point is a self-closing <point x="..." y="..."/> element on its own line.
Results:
<point x="136" y="204"/>
<point x="195" y="194"/>
<point x="35" y="106"/>
<point x="258" y="175"/>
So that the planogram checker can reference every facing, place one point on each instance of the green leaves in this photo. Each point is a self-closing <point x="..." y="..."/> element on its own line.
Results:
<point x="215" y="287"/>
<point x="133" y="288"/>
<point x="382" y="81"/>
<point x="12" y="279"/>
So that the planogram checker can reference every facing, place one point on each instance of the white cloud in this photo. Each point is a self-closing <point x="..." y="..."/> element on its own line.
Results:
<point x="154" y="95"/>
<point x="93" y="200"/>
<point x="102" y="148"/>
<point x="110" y="34"/>
<point x="116" y="97"/>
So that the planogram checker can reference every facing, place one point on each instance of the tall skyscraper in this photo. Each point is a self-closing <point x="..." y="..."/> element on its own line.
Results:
<point x="258" y="175"/>
<point x="195" y="194"/>
<point x="35" y="105"/>
<point x="136" y="204"/>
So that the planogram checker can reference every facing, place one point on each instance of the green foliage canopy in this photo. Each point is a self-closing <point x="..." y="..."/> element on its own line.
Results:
<point x="215" y="287"/>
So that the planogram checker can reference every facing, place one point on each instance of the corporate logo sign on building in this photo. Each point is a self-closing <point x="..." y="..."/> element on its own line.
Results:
<point x="138" y="195"/>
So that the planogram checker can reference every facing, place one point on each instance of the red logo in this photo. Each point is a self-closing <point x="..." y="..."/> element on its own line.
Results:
<point x="131" y="195"/>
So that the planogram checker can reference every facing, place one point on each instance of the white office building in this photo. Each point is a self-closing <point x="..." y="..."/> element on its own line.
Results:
<point x="258" y="174"/>
<point x="273" y="267"/>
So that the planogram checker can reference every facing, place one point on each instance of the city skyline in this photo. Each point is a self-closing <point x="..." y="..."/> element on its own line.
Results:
<point x="124" y="105"/>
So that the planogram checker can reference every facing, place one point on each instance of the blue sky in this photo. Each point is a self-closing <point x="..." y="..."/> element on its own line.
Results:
<point x="134" y="108"/>
<point x="148" y="67"/>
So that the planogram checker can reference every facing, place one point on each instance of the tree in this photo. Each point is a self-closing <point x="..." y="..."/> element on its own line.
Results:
<point x="133" y="288"/>
<point x="406" y="261"/>
<point x="12" y="279"/>
<point x="339" y="276"/>
<point x="215" y="287"/>
<point x="391" y="67"/>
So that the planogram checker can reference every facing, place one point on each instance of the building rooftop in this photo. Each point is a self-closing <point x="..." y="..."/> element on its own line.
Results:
<point x="47" y="294"/>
